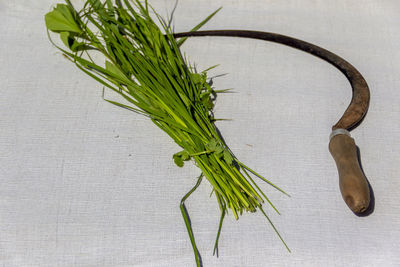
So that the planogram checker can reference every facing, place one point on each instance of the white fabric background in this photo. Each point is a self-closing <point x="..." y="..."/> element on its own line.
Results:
<point x="85" y="183"/>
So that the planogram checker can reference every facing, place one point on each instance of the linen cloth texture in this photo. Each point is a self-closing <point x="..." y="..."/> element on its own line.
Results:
<point x="85" y="183"/>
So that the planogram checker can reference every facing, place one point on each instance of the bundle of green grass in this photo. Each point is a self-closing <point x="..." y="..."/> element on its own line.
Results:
<point x="142" y="63"/>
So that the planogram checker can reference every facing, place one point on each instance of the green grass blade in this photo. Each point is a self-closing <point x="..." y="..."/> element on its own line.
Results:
<point x="219" y="231"/>
<point x="185" y="215"/>
<point x="262" y="178"/>
<point x="276" y="230"/>
<point x="198" y="26"/>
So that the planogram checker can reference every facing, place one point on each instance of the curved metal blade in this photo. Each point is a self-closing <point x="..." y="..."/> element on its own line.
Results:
<point x="358" y="106"/>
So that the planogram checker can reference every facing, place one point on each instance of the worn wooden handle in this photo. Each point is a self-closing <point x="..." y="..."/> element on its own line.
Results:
<point x="352" y="181"/>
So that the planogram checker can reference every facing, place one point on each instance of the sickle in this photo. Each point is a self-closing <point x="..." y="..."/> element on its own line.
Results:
<point x="352" y="181"/>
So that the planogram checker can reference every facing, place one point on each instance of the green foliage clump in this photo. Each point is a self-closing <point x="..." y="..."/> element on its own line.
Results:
<point x="143" y="65"/>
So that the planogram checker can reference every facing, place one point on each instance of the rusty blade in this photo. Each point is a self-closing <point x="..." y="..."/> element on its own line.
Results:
<point x="358" y="106"/>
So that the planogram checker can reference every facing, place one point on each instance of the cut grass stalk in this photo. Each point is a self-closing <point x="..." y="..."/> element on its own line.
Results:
<point x="142" y="63"/>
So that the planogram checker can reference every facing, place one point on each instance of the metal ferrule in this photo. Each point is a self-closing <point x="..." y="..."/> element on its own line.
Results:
<point x="337" y="132"/>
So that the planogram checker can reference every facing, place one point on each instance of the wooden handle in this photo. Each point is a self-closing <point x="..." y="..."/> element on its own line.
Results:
<point x="353" y="184"/>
